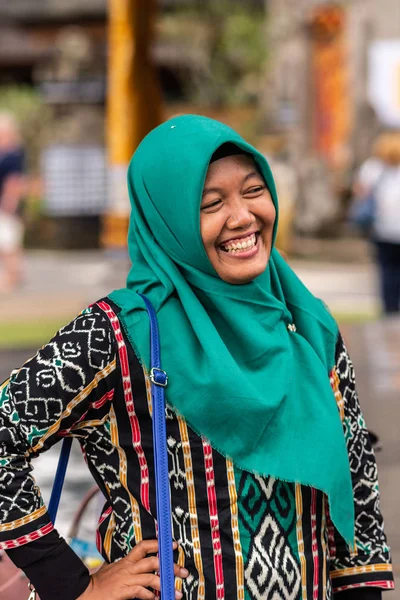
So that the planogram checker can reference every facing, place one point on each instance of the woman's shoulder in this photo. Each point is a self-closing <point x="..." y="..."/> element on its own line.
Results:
<point x="90" y="317"/>
<point x="370" y="171"/>
<point x="340" y="346"/>
<point x="93" y="340"/>
<point x="103" y="318"/>
<point x="84" y="345"/>
<point x="100" y="316"/>
<point x="89" y="334"/>
<point x="87" y="326"/>
<point x="343" y="364"/>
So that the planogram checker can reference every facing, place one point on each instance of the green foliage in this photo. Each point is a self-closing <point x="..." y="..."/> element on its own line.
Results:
<point x="35" y="119"/>
<point x="227" y="42"/>
<point x="30" y="334"/>
<point x="238" y="54"/>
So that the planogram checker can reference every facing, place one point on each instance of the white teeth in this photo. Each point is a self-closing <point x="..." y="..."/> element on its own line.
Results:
<point x="246" y="244"/>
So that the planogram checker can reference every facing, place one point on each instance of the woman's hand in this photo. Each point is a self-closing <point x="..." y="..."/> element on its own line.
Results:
<point x="131" y="576"/>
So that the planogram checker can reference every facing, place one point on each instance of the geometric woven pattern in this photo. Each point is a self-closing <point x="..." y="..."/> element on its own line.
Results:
<point x="373" y="554"/>
<point x="241" y="536"/>
<point x="267" y="512"/>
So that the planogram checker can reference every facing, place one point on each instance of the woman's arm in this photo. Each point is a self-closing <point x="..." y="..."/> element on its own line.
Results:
<point x="39" y="405"/>
<point x="367" y="570"/>
<point x="12" y="193"/>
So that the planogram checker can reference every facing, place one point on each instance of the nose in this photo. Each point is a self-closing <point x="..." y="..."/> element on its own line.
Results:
<point x="240" y="217"/>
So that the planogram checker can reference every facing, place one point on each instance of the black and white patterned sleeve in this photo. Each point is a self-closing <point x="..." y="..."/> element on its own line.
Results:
<point x="40" y="404"/>
<point x="368" y="566"/>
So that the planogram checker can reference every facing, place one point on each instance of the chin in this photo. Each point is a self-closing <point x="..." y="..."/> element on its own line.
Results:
<point x="242" y="273"/>
<point x="243" y="278"/>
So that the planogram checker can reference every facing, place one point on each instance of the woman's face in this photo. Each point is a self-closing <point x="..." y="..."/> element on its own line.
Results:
<point x="237" y="217"/>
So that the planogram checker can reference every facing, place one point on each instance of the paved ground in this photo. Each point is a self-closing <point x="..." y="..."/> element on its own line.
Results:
<point x="60" y="285"/>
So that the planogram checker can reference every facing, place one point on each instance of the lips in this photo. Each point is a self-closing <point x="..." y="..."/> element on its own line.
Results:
<point x="240" y="245"/>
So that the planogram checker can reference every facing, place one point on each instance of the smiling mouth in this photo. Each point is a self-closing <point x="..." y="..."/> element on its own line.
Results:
<point x="240" y="245"/>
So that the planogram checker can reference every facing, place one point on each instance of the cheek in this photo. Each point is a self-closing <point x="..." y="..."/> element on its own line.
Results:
<point x="268" y="213"/>
<point x="209" y="230"/>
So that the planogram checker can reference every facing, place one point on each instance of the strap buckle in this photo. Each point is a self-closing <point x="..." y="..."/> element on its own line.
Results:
<point x="158" y="377"/>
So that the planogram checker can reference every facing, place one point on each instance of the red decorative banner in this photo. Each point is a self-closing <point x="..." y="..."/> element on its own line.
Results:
<point x="332" y="104"/>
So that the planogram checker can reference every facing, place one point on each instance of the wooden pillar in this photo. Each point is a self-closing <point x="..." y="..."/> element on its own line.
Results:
<point x="332" y="104"/>
<point x="133" y="103"/>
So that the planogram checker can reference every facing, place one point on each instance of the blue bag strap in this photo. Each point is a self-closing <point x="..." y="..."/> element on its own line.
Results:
<point x="159" y="380"/>
<point x="59" y="479"/>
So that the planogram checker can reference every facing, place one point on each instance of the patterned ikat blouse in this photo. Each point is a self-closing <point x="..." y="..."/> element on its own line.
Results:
<point x="241" y="536"/>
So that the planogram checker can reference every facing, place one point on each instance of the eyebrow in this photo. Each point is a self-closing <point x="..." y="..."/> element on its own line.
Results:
<point x="219" y="190"/>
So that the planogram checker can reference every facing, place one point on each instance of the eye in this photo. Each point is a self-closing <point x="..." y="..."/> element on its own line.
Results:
<point x="213" y="204"/>
<point x="254" y="190"/>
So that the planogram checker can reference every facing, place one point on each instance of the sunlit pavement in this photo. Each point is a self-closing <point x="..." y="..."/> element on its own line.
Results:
<point x="62" y="284"/>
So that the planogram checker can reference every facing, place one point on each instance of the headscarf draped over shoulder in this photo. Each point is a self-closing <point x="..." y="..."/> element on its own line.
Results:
<point x="239" y="375"/>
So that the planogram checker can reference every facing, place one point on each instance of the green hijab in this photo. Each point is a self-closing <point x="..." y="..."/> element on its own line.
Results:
<point x="257" y="390"/>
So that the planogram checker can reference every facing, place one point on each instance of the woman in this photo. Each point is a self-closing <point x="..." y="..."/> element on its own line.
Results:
<point x="380" y="176"/>
<point x="270" y="499"/>
<point x="11" y="193"/>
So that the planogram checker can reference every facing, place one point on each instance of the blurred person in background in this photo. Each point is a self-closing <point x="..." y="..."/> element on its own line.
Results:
<point x="11" y="193"/>
<point x="273" y="480"/>
<point x="378" y="185"/>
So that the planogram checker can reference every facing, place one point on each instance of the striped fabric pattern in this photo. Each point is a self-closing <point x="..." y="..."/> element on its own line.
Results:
<point x="240" y="535"/>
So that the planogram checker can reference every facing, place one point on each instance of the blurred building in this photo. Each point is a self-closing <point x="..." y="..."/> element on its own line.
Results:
<point x="369" y="22"/>
<point x="300" y="32"/>
<point x="35" y="35"/>
<point x="60" y="48"/>
<point x="318" y="92"/>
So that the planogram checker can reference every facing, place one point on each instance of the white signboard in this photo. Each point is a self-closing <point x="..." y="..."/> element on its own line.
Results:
<point x="75" y="180"/>
<point x="384" y="80"/>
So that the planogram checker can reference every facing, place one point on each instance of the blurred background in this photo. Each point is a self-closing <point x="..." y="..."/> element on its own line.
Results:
<point x="314" y="85"/>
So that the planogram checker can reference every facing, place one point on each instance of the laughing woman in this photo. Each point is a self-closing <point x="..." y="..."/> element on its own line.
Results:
<point x="273" y="480"/>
